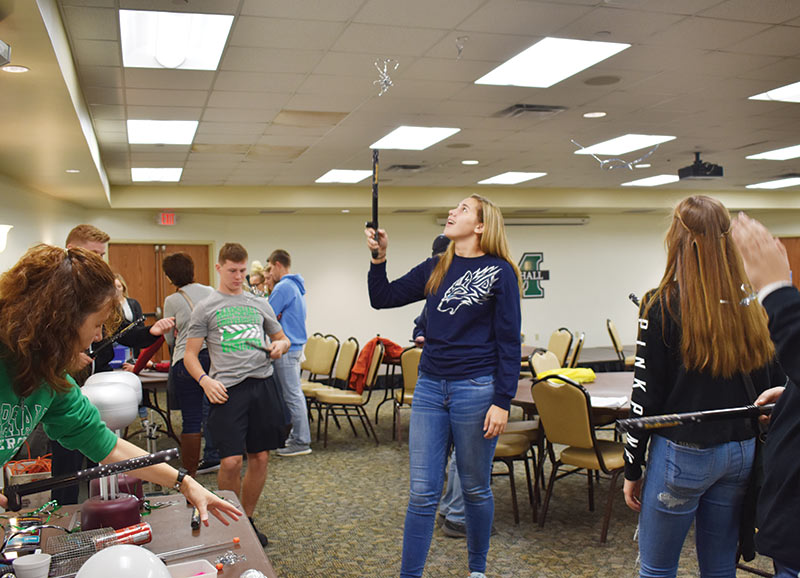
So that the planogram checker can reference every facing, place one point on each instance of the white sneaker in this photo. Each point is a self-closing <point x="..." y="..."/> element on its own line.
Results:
<point x="477" y="575"/>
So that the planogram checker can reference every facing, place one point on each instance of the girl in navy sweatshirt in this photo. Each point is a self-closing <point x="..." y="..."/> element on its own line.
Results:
<point x="468" y="372"/>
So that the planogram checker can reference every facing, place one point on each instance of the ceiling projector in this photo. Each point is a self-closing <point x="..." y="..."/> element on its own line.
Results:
<point x="700" y="170"/>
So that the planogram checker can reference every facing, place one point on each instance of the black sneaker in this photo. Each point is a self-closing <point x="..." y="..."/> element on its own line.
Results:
<point x="454" y="529"/>
<point x="458" y="530"/>
<point x="261" y="537"/>
<point x="207" y="466"/>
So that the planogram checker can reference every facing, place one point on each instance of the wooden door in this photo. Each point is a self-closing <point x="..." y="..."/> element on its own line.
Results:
<point x="140" y="265"/>
<point x="792" y="245"/>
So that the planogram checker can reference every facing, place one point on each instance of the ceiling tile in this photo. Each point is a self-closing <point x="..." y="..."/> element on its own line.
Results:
<point x="387" y="41"/>
<point x="91" y="23"/>
<point x="164" y="112"/>
<point x="168" y="79"/>
<point x="96" y="95"/>
<point x="339" y="11"/>
<point x="96" y="52"/>
<point x="277" y="33"/>
<point x="617" y="25"/>
<point x="107" y="112"/>
<point x="196" y="6"/>
<point x="250" y="81"/>
<point x="104" y="76"/>
<point x="239" y="114"/>
<point x="522" y="17"/>
<point x="242" y="128"/>
<point x="407" y="13"/>
<point x="258" y="100"/>
<point x="243" y="59"/>
<point x="148" y="97"/>
<point x="706" y="33"/>
<point x="769" y="11"/>
<point x="777" y="41"/>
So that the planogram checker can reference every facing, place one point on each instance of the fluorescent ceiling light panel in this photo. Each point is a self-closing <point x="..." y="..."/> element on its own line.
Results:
<point x="652" y="181"/>
<point x="173" y="39"/>
<point x="343" y="176"/>
<point x="414" y="138"/>
<point x="783" y="154"/>
<point x="164" y="175"/>
<point x="778" y="184"/>
<point x="624" y="144"/>
<point x="511" y="178"/>
<point x="176" y="132"/>
<point x="788" y="93"/>
<point x="550" y="61"/>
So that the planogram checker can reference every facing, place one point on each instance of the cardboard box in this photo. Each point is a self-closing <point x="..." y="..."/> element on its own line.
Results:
<point x="12" y="477"/>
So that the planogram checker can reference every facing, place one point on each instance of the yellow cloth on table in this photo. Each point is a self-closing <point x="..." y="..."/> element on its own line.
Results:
<point x="577" y="374"/>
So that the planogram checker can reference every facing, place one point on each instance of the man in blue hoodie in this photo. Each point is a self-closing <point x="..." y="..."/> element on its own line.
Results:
<point x="288" y="301"/>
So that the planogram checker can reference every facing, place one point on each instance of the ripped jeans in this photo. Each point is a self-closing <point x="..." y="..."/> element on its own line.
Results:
<point x="683" y="484"/>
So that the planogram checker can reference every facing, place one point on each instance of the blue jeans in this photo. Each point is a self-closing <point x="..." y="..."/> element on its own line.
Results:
<point x="784" y="571"/>
<point x="452" y="504"/>
<point x="287" y="374"/>
<point x="683" y="484"/>
<point x="446" y="411"/>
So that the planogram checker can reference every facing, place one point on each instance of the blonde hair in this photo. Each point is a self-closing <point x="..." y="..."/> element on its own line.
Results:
<point x="492" y="241"/>
<point x="121" y="279"/>
<point x="704" y="277"/>
<point x="84" y="233"/>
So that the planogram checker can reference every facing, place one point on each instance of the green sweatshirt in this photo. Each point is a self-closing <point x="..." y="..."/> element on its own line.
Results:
<point x="67" y="417"/>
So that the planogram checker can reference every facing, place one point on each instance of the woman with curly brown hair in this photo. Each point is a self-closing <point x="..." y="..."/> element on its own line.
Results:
<point x="53" y="305"/>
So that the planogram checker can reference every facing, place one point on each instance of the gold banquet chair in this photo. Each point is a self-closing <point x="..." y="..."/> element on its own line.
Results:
<point x="565" y="410"/>
<point x="627" y="361"/>
<point x="409" y="368"/>
<point x="351" y="404"/>
<point x="320" y="355"/>
<point x="541" y="360"/>
<point x="513" y="447"/>
<point x="560" y="343"/>
<point x="576" y="351"/>
<point x="348" y="352"/>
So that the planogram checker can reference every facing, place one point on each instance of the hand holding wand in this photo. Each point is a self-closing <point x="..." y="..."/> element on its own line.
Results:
<point x="14" y="492"/>
<point x="676" y="419"/>
<point x="373" y="224"/>
<point x="117" y="336"/>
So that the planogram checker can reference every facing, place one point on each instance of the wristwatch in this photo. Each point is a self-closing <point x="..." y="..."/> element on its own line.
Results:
<point x="182" y="472"/>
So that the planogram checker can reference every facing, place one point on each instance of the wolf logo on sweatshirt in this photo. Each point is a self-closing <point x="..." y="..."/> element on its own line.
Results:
<point x="473" y="287"/>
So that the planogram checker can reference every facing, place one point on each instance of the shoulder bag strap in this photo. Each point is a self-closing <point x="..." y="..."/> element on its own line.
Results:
<point x="189" y="301"/>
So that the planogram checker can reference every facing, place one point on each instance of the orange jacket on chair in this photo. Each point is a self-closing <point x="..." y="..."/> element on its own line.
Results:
<point x="358" y="375"/>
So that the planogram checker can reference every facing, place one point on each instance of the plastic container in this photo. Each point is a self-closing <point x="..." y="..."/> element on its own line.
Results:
<point x="192" y="569"/>
<point x="32" y="566"/>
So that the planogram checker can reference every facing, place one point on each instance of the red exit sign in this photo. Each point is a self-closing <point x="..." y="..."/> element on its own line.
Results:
<point x="166" y="219"/>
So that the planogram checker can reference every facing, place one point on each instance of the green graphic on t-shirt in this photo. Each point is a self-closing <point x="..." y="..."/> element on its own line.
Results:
<point x="239" y="327"/>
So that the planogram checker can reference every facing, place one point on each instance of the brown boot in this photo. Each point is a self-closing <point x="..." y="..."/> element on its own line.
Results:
<point x="190" y="451"/>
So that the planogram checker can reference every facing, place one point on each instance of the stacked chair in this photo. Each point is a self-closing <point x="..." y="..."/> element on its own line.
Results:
<point x="349" y="404"/>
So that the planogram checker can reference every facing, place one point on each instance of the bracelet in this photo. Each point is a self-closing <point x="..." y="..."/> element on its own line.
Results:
<point x="182" y="474"/>
<point x="201" y="378"/>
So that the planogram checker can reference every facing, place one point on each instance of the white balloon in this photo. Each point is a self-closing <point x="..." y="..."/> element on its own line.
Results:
<point x="125" y="377"/>
<point x="116" y="402"/>
<point x="124" y="561"/>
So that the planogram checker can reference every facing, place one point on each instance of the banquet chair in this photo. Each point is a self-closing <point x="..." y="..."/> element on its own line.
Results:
<point x="409" y="368"/>
<point x="541" y="360"/>
<point x="349" y="403"/>
<point x="513" y="447"/>
<point x="566" y="413"/>
<point x="560" y="343"/>
<point x="576" y="352"/>
<point x="627" y="361"/>
<point x="348" y="352"/>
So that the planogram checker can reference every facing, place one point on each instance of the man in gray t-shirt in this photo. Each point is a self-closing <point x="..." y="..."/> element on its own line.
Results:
<point x="247" y="410"/>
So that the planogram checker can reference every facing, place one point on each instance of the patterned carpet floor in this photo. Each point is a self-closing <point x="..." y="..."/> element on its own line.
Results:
<point x="339" y="512"/>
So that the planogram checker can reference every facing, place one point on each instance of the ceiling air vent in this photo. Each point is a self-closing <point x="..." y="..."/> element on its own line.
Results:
<point x="529" y="110"/>
<point x="406" y="168"/>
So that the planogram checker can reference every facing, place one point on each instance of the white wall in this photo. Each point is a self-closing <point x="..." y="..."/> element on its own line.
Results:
<point x="37" y="218"/>
<point x="592" y="268"/>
